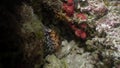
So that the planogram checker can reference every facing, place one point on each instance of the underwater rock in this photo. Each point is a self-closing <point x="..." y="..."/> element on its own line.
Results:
<point x="53" y="62"/>
<point x="108" y="25"/>
<point x="21" y="35"/>
<point x="66" y="48"/>
<point x="95" y="7"/>
<point x="53" y="4"/>
<point x="100" y="51"/>
<point x="109" y="21"/>
<point x="79" y="61"/>
<point x="71" y="57"/>
<point x="33" y="36"/>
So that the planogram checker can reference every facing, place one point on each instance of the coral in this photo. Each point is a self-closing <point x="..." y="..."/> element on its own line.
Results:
<point x="81" y="34"/>
<point x="81" y="16"/>
<point x="97" y="8"/>
<point x="21" y="35"/>
<point x="53" y="4"/>
<point x="34" y="30"/>
<point x="52" y="41"/>
<point x="69" y="8"/>
<point x="108" y="25"/>
<point x="66" y="48"/>
<point x="33" y="36"/>
<point x="109" y="21"/>
<point x="71" y="56"/>
<point x="101" y="48"/>
<point x="49" y="45"/>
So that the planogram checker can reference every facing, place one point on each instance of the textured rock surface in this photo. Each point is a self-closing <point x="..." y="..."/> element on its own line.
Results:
<point x="21" y="37"/>
<point x="72" y="57"/>
<point x="101" y="51"/>
<point x="33" y="36"/>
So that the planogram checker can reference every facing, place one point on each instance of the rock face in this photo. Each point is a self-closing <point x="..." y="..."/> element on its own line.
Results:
<point x="71" y="56"/>
<point x="101" y="51"/>
<point x="22" y="33"/>
<point x="33" y="35"/>
<point x="22" y="36"/>
<point x="25" y="42"/>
